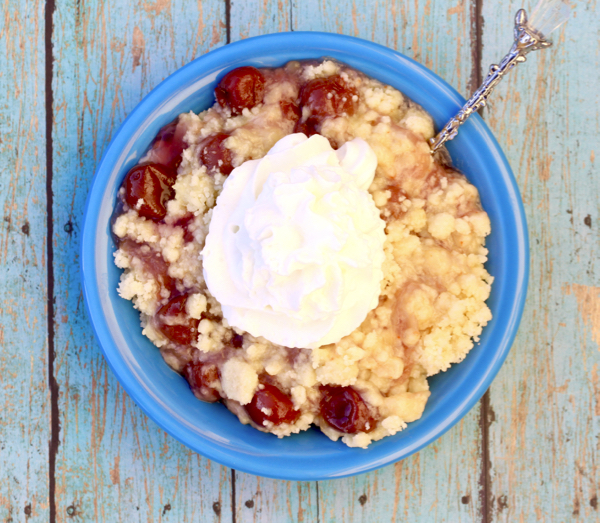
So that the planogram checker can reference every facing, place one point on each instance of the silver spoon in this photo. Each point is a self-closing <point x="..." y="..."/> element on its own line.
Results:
<point x="532" y="35"/>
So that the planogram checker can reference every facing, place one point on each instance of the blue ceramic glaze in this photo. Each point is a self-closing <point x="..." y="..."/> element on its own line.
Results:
<point x="211" y="429"/>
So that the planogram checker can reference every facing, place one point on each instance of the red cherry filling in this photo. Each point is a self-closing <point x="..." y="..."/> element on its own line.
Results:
<point x="153" y="184"/>
<point x="330" y="96"/>
<point x="201" y="378"/>
<point x="168" y="145"/>
<point x="271" y="404"/>
<point x="242" y="88"/>
<point x="153" y="262"/>
<point x="184" y="222"/>
<point x="290" y="110"/>
<point x="174" y="322"/>
<point x="345" y="410"/>
<point x="309" y="127"/>
<point x="237" y="341"/>
<point x="215" y="155"/>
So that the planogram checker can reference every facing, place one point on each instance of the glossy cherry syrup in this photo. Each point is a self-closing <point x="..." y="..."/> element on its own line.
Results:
<point x="200" y="376"/>
<point x="169" y="144"/>
<point x="186" y="329"/>
<point x="153" y="262"/>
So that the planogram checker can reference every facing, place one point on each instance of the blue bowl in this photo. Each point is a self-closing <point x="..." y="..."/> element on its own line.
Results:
<point x="210" y="429"/>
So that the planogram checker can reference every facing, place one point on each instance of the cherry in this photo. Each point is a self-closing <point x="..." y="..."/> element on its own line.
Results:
<point x="290" y="110"/>
<point x="153" y="262"/>
<point x="237" y="341"/>
<point x="279" y="406"/>
<point x="169" y="144"/>
<point x="188" y="235"/>
<point x="345" y="410"/>
<point x="309" y="127"/>
<point x="153" y="184"/>
<point x="184" y="221"/>
<point x="175" y="307"/>
<point x="215" y="155"/>
<point x="330" y="96"/>
<point x="186" y="331"/>
<point x="242" y="88"/>
<point x="200" y="376"/>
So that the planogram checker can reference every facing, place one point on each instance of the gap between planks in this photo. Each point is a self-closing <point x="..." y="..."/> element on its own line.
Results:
<point x="484" y="404"/>
<point x="49" y="10"/>
<point x="228" y="41"/>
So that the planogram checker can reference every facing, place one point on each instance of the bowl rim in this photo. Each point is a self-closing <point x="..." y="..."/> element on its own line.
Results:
<point x="257" y="464"/>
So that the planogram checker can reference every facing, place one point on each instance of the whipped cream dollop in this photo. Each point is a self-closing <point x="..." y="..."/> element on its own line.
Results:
<point x="294" y="251"/>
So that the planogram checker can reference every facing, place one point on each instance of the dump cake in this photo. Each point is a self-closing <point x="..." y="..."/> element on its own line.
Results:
<point x="296" y="252"/>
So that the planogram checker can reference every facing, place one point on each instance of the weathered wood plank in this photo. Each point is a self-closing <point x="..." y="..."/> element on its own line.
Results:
<point x="544" y="440"/>
<point x="436" y="34"/>
<point x="114" y="464"/>
<point x="270" y="500"/>
<point x="439" y="483"/>
<point x="256" y="17"/>
<point x="24" y="400"/>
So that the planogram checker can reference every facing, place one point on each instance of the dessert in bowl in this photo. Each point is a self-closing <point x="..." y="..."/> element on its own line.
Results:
<point x="212" y="430"/>
<point x="303" y="257"/>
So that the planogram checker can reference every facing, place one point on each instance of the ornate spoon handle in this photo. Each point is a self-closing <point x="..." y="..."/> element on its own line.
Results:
<point x="527" y="39"/>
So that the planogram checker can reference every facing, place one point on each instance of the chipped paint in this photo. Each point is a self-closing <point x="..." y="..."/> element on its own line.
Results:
<point x="596" y="385"/>
<point x="24" y="405"/>
<point x="137" y="46"/>
<point x="113" y="464"/>
<point x="157" y="7"/>
<point x="588" y="304"/>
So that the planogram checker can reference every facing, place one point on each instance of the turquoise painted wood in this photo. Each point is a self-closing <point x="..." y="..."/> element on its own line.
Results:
<point x="255" y="17"/>
<point x="535" y="457"/>
<point x="440" y="483"/>
<point x="437" y="34"/>
<point x="545" y="434"/>
<point x="24" y="406"/>
<point x="113" y="464"/>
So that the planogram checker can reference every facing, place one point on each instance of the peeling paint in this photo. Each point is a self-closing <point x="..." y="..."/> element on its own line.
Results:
<point x="137" y="46"/>
<point x="588" y="304"/>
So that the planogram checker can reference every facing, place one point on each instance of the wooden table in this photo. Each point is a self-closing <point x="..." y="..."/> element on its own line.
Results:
<point x="74" y="447"/>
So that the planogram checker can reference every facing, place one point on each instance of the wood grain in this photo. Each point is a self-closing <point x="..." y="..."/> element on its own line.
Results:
<point x="113" y="463"/>
<point x="440" y="483"/>
<point x="269" y="500"/>
<point x="256" y="17"/>
<point x="544" y="439"/>
<point x="24" y="400"/>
